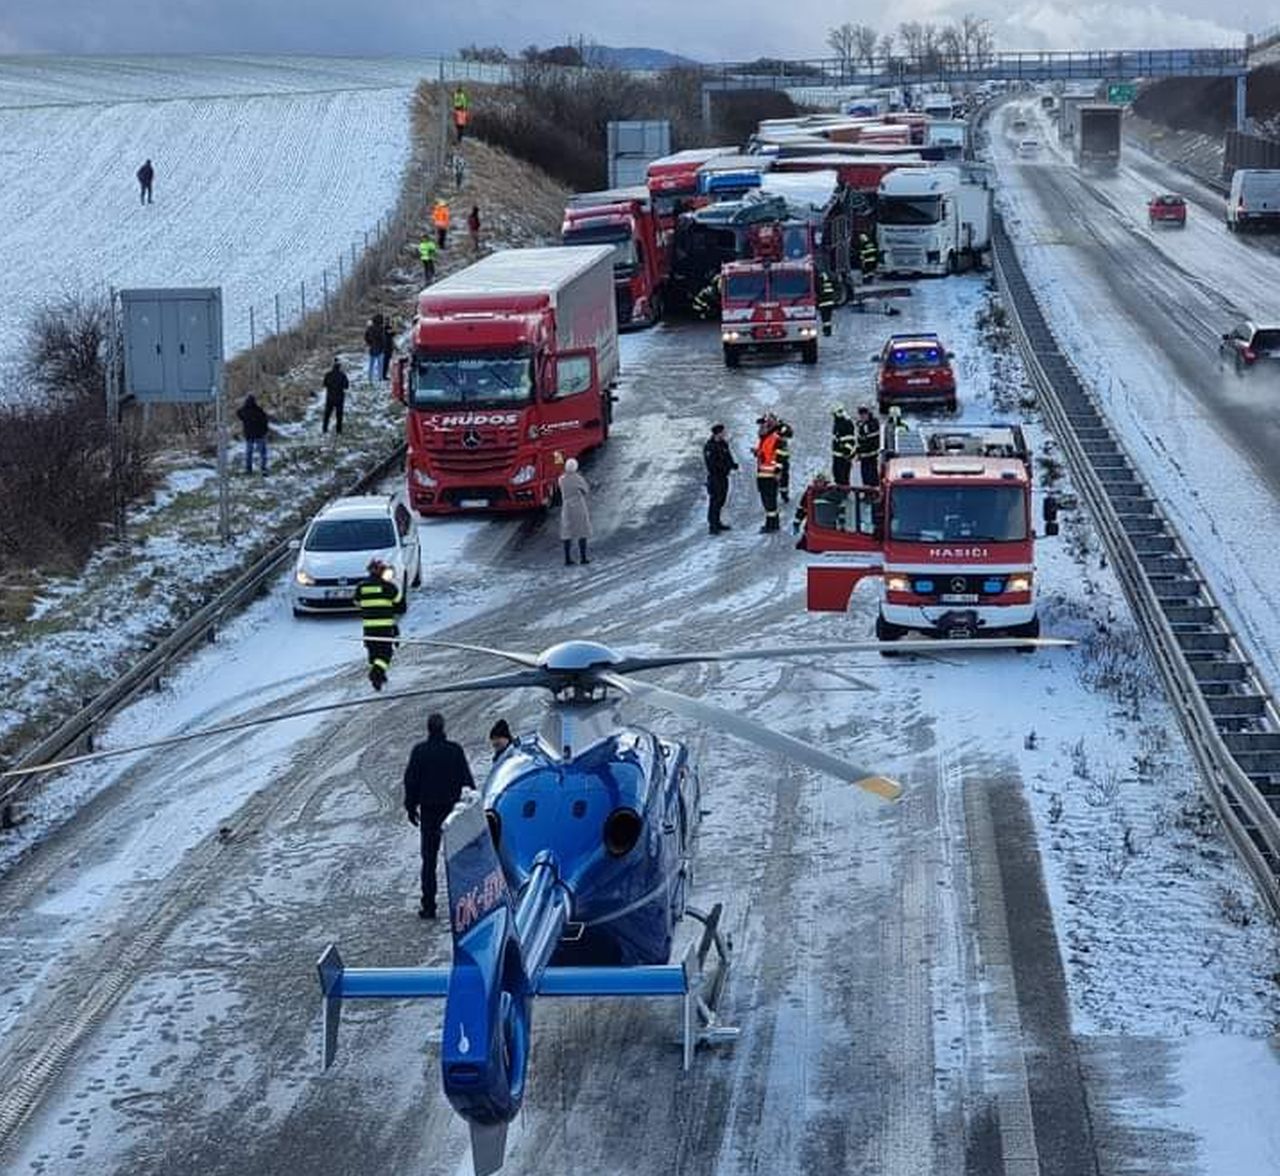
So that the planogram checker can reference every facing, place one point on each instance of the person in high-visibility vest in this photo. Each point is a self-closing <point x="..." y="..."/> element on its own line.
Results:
<point x="440" y="218"/>
<point x="461" y="111"/>
<point x="868" y="255"/>
<point x="826" y="300"/>
<point x="766" y="454"/>
<point x="427" y="250"/>
<point x="378" y="600"/>
<point x="843" y="444"/>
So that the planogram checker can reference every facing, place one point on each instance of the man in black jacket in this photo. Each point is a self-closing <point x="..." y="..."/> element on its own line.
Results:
<point x="256" y="422"/>
<point x="433" y="782"/>
<point x="718" y="458"/>
<point x="146" y="177"/>
<point x="335" y="394"/>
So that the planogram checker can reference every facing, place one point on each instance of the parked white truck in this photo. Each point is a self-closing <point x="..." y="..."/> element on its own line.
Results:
<point x="933" y="220"/>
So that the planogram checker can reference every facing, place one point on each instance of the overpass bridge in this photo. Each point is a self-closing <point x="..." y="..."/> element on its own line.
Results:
<point x="934" y="69"/>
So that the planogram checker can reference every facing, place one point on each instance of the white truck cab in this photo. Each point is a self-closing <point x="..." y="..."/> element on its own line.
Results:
<point x="932" y="220"/>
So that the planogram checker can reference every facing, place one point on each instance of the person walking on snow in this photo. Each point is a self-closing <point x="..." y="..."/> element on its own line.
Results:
<point x="500" y="738"/>
<point x="378" y="600"/>
<point x="461" y="112"/>
<point x="146" y="174"/>
<point x="575" y="516"/>
<point x="256" y="423"/>
<point x="388" y="346"/>
<point x="434" y="780"/>
<point x="373" y="346"/>
<point x="473" y="227"/>
<point x="427" y="250"/>
<point x="335" y="395"/>
<point x="440" y="218"/>
<point x="459" y="166"/>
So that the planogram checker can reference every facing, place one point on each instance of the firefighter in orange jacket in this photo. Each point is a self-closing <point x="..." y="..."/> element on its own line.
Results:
<point x="440" y="218"/>
<point x="766" y="454"/>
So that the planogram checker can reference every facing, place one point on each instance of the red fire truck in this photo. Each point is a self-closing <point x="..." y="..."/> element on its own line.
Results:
<point x="624" y="218"/>
<point x="673" y="185"/>
<point x="949" y="530"/>
<point x="770" y="302"/>
<point x="510" y="373"/>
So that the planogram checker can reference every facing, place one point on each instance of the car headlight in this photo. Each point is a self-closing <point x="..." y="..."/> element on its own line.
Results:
<point x="1021" y="583"/>
<point x="304" y="577"/>
<point x="729" y="337"/>
<point x="897" y="583"/>
<point x="423" y="478"/>
<point x="526" y="473"/>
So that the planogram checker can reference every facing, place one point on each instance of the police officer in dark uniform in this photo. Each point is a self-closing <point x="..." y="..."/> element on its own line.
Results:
<point x="843" y="444"/>
<point x="718" y="458"/>
<point x="378" y="601"/>
<point x="826" y="300"/>
<point x="434" y="778"/>
<point x="867" y="447"/>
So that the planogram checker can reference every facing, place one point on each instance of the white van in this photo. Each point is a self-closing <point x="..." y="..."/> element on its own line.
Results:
<point x="1254" y="202"/>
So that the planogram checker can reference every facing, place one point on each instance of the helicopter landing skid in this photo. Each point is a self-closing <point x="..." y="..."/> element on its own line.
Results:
<point x="704" y="985"/>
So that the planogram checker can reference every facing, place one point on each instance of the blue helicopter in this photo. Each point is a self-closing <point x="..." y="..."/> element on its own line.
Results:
<point x="569" y="871"/>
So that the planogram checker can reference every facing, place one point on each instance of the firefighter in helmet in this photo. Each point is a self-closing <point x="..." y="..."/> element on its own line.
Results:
<point x="843" y="444"/>
<point x="379" y="600"/>
<point x="766" y="455"/>
<point x="867" y="446"/>
<point x="826" y="299"/>
<point x="706" y="303"/>
<point x="868" y="255"/>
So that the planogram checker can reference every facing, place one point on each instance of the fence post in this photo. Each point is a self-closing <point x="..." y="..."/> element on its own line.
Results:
<point x="324" y="282"/>
<point x="277" y="314"/>
<point x="302" y="286"/>
<point x="253" y="341"/>
<point x="341" y="277"/>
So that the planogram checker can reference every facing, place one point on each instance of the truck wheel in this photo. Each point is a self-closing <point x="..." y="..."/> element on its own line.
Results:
<point x="731" y="356"/>
<point x="887" y="632"/>
<point x="1030" y="630"/>
<point x="809" y="352"/>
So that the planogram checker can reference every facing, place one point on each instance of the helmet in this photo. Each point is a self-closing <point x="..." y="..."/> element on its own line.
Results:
<point x="864" y="410"/>
<point x="838" y="410"/>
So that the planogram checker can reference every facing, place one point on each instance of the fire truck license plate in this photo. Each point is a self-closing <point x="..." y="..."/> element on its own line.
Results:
<point x="959" y="598"/>
<point x="768" y="332"/>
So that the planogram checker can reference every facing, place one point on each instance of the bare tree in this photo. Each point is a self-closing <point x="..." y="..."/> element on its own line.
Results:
<point x="884" y="49"/>
<point x="864" y="44"/>
<point x="911" y="38"/>
<point x="950" y="47"/>
<point x="841" y="40"/>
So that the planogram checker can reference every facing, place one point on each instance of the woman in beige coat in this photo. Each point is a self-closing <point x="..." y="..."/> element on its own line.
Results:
<point x="575" y="517"/>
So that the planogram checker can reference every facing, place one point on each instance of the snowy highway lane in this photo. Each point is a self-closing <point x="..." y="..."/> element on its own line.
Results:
<point x="903" y="976"/>
<point x="1141" y="313"/>
<point x="254" y="192"/>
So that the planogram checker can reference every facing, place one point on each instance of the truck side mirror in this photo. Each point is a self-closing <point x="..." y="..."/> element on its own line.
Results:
<point x="1050" y="515"/>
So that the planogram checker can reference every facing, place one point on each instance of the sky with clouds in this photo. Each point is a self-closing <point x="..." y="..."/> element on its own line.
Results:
<point x="713" y="30"/>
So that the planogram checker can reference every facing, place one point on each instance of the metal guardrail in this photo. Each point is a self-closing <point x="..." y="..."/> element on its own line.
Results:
<point x="1226" y="713"/>
<point x="78" y="732"/>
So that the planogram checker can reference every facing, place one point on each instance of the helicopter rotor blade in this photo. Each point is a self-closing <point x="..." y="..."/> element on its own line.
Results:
<point x="521" y="659"/>
<point x="494" y="682"/>
<point x="753" y="732"/>
<point x="925" y="645"/>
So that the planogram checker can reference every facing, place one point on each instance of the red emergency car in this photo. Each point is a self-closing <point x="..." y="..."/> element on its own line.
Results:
<point x="914" y="371"/>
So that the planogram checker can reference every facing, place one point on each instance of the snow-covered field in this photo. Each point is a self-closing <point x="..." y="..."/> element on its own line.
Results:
<point x="266" y="171"/>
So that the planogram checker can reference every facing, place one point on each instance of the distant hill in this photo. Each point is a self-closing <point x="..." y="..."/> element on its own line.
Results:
<point x="634" y="58"/>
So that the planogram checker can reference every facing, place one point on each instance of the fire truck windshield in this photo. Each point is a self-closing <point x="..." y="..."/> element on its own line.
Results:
<point x="619" y="236"/>
<point x="914" y="210"/>
<point x="789" y="283"/>
<point x="940" y="514"/>
<point x="451" y="381"/>
<point x="748" y="287"/>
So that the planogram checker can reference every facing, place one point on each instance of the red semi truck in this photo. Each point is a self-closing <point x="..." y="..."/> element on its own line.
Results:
<point x="673" y="185"/>
<point x="624" y="218"/>
<point x="949" y="529"/>
<point x="509" y="375"/>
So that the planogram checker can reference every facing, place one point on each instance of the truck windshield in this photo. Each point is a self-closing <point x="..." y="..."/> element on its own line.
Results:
<point x="913" y="210"/>
<point x="938" y="514"/>
<point x="448" y="381"/>
<point x="787" y="284"/>
<point x="619" y="236"/>
<point x="745" y="287"/>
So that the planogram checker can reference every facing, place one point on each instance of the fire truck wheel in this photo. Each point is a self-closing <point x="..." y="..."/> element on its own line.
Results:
<point x="1030" y="630"/>
<point x="809" y="352"/>
<point x="731" y="356"/>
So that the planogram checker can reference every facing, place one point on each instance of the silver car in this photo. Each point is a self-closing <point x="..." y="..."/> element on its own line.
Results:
<point x="334" y="554"/>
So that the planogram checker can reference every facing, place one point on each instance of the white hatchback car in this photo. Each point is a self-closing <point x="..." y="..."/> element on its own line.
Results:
<point x="334" y="554"/>
<point x="1028" y="148"/>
